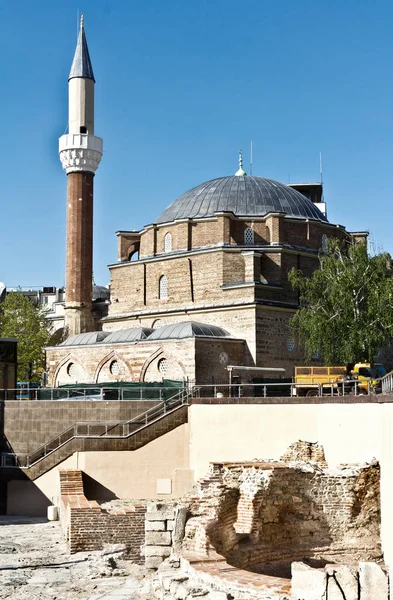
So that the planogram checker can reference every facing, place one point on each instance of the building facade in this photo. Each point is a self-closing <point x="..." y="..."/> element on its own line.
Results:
<point x="218" y="257"/>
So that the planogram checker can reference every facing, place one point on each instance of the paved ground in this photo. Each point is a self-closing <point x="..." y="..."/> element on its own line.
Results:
<point x="34" y="564"/>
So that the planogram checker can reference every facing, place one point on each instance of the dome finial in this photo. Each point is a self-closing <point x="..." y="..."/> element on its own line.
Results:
<point x="240" y="172"/>
<point x="82" y="20"/>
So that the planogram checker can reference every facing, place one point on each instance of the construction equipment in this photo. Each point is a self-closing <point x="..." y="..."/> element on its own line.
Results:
<point x="358" y="378"/>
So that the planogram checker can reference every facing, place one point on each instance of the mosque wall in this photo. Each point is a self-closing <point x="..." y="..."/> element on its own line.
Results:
<point x="92" y="364"/>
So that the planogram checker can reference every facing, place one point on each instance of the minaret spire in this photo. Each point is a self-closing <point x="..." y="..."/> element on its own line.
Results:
<point x="240" y="172"/>
<point x="80" y="153"/>
<point x="81" y="65"/>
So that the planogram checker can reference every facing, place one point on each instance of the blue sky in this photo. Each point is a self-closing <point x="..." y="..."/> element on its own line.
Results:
<point x="181" y="86"/>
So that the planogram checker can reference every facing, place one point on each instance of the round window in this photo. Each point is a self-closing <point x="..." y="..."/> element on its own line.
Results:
<point x="158" y="323"/>
<point x="72" y="370"/>
<point x="223" y="358"/>
<point x="291" y="344"/>
<point x="324" y="243"/>
<point x="114" y="367"/>
<point x="163" y="365"/>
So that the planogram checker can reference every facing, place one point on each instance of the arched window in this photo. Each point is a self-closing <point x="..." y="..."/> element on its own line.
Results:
<point x="248" y="236"/>
<point x="163" y="287"/>
<point x="168" y="243"/>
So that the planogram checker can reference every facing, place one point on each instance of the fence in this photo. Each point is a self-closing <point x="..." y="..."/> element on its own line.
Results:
<point x="138" y="393"/>
<point x="223" y="390"/>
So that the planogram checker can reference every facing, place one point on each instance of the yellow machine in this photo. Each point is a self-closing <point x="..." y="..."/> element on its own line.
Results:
<point x="360" y="377"/>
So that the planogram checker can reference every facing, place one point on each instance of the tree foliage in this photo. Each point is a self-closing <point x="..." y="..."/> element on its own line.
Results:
<point x="346" y="307"/>
<point x="19" y="318"/>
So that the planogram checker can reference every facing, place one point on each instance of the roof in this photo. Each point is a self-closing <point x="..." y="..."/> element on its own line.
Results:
<point x="100" y="292"/>
<point x="81" y="65"/>
<point x="178" y="331"/>
<point x="128" y="335"/>
<point x="83" y="339"/>
<point x="243" y="196"/>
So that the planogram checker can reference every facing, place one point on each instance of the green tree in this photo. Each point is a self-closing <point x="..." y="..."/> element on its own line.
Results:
<point x="346" y="306"/>
<point x="19" y="318"/>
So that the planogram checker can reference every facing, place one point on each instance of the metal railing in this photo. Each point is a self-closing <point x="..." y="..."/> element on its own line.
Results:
<point x="89" y="394"/>
<point x="284" y="389"/>
<point x="387" y="383"/>
<point x="96" y="429"/>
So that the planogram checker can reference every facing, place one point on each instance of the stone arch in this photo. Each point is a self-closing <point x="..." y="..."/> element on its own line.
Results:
<point x="125" y="371"/>
<point x="62" y="378"/>
<point x="151" y="372"/>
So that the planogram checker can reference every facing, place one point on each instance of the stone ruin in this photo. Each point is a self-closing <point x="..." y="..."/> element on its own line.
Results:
<point x="264" y="529"/>
<point x="251" y="525"/>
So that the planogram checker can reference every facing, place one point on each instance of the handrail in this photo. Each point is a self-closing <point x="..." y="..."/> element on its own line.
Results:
<point x="141" y="421"/>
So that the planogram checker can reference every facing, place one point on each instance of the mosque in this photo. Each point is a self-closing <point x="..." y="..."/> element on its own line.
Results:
<point x="203" y="287"/>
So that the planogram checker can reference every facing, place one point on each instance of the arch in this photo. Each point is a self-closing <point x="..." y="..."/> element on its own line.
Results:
<point x="107" y="359"/>
<point x="176" y="368"/>
<point x="163" y="287"/>
<point x="168" y="242"/>
<point x="248" y="236"/>
<point x="63" y="365"/>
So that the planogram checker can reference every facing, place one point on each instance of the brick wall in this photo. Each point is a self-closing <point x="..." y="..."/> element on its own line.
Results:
<point x="265" y="513"/>
<point x="89" y="527"/>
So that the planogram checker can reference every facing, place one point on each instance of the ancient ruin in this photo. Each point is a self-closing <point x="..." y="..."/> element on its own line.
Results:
<point x="289" y="528"/>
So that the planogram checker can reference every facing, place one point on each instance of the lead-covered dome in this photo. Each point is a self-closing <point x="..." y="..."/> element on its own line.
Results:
<point x="244" y="196"/>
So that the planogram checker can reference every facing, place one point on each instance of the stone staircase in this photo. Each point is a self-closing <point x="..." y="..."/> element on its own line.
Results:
<point x="100" y="436"/>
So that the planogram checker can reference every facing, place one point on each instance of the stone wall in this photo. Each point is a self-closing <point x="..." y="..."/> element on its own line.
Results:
<point x="366" y="581"/>
<point x="263" y="515"/>
<point x="87" y="526"/>
<point x="30" y="424"/>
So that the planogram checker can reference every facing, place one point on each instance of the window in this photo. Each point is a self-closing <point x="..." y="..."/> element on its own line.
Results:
<point x="72" y="370"/>
<point x="114" y="367"/>
<point x="248" y="236"/>
<point x="82" y="129"/>
<point x="163" y="287"/>
<point x="290" y="344"/>
<point x="168" y="243"/>
<point x="324" y="243"/>
<point x="163" y="366"/>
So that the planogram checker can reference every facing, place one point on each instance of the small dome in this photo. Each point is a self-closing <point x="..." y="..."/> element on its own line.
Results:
<point x="244" y="196"/>
<point x="84" y="339"/>
<point x="187" y="329"/>
<point x="128" y="335"/>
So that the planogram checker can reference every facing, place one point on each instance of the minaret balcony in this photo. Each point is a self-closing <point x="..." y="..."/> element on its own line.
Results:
<point x="80" y="152"/>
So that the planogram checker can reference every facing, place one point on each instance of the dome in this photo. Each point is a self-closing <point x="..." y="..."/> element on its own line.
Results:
<point x="244" y="196"/>
<point x="100" y="293"/>
<point x="187" y="329"/>
<point x="85" y="339"/>
<point x="128" y="335"/>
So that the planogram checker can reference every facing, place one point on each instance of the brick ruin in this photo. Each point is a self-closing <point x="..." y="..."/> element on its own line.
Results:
<point x="246" y="524"/>
<point x="263" y="515"/>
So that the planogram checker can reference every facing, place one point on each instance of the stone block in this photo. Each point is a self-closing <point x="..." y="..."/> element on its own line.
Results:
<point x="342" y="580"/>
<point x="373" y="581"/>
<point x="170" y="525"/>
<point x="153" y="562"/>
<point x="178" y="590"/>
<point x="160" y="516"/>
<point x="155" y="525"/>
<point x="308" y="583"/>
<point x="158" y="538"/>
<point x="162" y="551"/>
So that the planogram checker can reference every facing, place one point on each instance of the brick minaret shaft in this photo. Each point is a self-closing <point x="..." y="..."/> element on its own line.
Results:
<point x="80" y="153"/>
<point x="79" y="246"/>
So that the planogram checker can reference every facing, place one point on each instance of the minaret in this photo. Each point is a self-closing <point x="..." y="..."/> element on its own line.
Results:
<point x="80" y="154"/>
